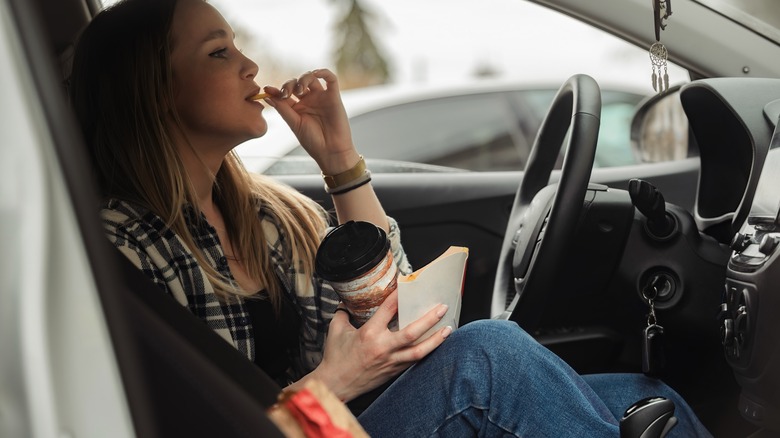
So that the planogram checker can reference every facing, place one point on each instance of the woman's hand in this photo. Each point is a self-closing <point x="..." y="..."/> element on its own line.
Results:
<point x="358" y="360"/>
<point x="316" y="115"/>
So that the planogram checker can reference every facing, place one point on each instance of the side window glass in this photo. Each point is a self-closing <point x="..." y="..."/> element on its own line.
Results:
<point x="478" y="132"/>
<point x="508" y="41"/>
<point x="617" y="111"/>
<point x="493" y="131"/>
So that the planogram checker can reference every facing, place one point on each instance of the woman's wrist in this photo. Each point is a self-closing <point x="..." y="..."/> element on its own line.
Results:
<point x="356" y="171"/>
<point x="323" y="377"/>
<point x="339" y="163"/>
<point x="353" y="184"/>
<point x="347" y="180"/>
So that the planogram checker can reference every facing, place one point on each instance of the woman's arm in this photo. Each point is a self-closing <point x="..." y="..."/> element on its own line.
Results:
<point x="354" y="360"/>
<point x="317" y="117"/>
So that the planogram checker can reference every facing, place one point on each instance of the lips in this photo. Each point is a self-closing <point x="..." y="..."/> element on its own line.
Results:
<point x="253" y="94"/>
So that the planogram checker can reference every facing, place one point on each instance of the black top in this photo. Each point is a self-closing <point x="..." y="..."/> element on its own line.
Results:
<point x="276" y="341"/>
<point x="276" y="336"/>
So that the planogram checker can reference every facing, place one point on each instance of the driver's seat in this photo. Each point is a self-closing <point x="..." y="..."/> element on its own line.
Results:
<point x="180" y="377"/>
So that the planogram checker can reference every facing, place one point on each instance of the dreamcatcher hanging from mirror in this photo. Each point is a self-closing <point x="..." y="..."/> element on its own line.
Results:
<point x="662" y="9"/>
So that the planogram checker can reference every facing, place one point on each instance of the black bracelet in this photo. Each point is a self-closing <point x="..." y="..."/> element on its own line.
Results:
<point x="355" y="183"/>
<point x="349" y="189"/>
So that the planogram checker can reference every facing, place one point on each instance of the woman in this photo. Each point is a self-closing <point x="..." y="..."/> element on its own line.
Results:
<point x="163" y="96"/>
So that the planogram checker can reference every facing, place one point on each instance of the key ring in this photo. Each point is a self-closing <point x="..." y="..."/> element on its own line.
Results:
<point x="651" y="316"/>
<point x="650" y="298"/>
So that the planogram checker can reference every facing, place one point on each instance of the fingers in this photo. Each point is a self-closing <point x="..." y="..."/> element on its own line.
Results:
<point x="330" y="78"/>
<point x="341" y="312"/>
<point x="340" y="319"/>
<point x="423" y="348"/>
<point x="412" y="332"/>
<point x="414" y="346"/>
<point x="273" y="91"/>
<point x="307" y="82"/>
<point x="409" y="342"/>
<point x="288" y="88"/>
<point x="385" y="313"/>
<point x="310" y="81"/>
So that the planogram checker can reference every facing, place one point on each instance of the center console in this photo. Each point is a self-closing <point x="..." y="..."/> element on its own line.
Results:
<point x="750" y="310"/>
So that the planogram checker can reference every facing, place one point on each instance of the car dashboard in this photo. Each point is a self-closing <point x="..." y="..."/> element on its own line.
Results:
<point x="735" y="123"/>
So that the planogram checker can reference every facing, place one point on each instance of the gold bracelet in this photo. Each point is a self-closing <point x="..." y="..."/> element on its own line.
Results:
<point x="346" y="176"/>
<point x="350" y="186"/>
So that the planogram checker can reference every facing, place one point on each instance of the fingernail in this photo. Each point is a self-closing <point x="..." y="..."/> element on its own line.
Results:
<point x="442" y="310"/>
<point x="285" y="94"/>
<point x="446" y="331"/>
<point x="298" y="89"/>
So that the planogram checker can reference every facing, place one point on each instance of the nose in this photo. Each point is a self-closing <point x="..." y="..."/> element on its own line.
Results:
<point x="250" y="68"/>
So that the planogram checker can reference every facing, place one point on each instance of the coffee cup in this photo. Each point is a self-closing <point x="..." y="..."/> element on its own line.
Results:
<point x="355" y="259"/>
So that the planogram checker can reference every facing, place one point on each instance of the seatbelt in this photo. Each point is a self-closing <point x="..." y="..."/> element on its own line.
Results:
<point x="193" y="383"/>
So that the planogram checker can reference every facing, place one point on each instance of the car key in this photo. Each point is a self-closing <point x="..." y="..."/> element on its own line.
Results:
<point x="652" y="350"/>
<point x="652" y="341"/>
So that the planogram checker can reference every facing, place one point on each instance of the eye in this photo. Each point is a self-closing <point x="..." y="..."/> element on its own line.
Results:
<point x="220" y="53"/>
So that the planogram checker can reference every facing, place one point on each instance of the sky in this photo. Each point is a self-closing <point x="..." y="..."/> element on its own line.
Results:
<point x="431" y="41"/>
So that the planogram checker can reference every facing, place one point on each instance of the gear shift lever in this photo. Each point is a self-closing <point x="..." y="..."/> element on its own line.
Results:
<point x="652" y="417"/>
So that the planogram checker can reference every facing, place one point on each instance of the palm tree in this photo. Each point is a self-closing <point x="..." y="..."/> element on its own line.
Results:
<point x="359" y="61"/>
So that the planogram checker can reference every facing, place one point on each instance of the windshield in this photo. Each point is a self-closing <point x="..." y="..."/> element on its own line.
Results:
<point x="762" y="16"/>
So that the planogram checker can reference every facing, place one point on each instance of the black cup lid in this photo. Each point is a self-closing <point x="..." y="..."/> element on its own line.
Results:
<point x="350" y="250"/>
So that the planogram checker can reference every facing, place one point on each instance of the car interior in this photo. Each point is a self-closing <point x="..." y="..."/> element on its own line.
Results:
<point x="580" y="264"/>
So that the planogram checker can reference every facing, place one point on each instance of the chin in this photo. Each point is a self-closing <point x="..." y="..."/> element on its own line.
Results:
<point x="260" y="129"/>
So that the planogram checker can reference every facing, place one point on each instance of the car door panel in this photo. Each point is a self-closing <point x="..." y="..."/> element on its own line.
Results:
<point x="436" y="210"/>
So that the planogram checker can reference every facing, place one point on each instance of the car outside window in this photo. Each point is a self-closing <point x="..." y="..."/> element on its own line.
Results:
<point x="479" y="132"/>
<point x="490" y="132"/>
<point x="482" y="132"/>
<point x="511" y="42"/>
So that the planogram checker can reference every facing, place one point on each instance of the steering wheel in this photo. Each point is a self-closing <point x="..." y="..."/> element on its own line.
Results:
<point x="544" y="217"/>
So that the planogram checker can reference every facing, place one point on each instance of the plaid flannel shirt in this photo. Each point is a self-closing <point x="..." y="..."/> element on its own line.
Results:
<point x="154" y="248"/>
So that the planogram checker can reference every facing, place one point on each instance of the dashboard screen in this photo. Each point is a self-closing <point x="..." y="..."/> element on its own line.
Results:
<point x="766" y="203"/>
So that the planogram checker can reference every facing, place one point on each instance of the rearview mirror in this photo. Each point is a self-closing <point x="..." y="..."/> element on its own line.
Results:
<point x="659" y="130"/>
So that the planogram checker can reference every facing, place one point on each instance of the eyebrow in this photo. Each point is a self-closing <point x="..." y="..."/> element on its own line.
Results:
<point x="215" y="34"/>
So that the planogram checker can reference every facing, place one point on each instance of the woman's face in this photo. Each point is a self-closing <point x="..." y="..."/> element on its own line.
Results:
<point x="212" y="80"/>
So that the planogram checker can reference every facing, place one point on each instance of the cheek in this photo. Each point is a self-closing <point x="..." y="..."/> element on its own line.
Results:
<point x="194" y="90"/>
<point x="198" y="103"/>
<point x="183" y="95"/>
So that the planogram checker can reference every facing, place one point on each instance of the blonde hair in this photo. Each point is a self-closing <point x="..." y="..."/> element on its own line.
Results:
<point x="121" y="90"/>
<point x="301" y="219"/>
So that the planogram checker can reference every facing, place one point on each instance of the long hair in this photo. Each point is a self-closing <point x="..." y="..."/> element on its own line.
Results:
<point x="121" y="91"/>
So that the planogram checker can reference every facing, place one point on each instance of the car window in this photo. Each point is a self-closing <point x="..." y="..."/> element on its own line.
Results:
<point x="518" y="42"/>
<point x="488" y="132"/>
<point x="477" y="132"/>
<point x="483" y="132"/>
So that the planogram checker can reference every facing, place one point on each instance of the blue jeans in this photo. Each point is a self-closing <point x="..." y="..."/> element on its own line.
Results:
<point x="490" y="378"/>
